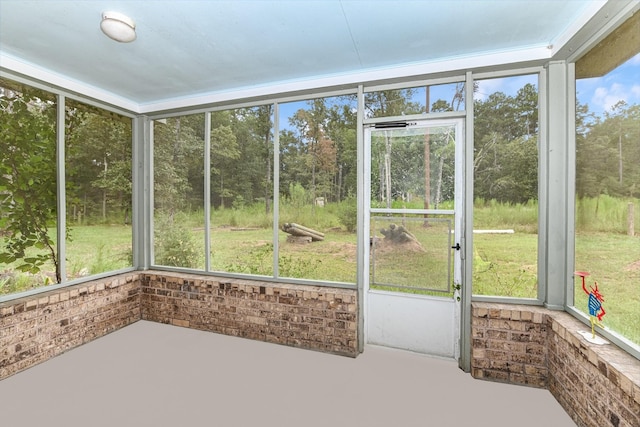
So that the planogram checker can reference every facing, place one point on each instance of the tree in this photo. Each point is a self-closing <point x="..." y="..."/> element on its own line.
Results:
<point x="242" y="153"/>
<point x="505" y="145"/>
<point x="179" y="163"/>
<point x="98" y="163"/>
<point x="310" y="125"/>
<point x="28" y="178"/>
<point x="262" y="127"/>
<point x="607" y="152"/>
<point x="390" y="103"/>
<point x="445" y="152"/>
<point x="618" y="118"/>
<point x="341" y="129"/>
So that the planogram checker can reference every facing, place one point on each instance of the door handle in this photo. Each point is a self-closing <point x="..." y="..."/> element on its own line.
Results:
<point x="456" y="247"/>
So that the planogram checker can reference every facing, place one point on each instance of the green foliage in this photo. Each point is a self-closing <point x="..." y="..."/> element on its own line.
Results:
<point x="260" y="261"/>
<point x="101" y="262"/>
<point x="13" y="282"/>
<point x="505" y="279"/>
<point x="319" y="218"/>
<point x="505" y="146"/>
<point x="298" y="196"/>
<point x="175" y="245"/>
<point x="492" y="214"/>
<point x="238" y="203"/>
<point x="98" y="153"/>
<point x="606" y="214"/>
<point x="389" y="103"/>
<point x="27" y="178"/>
<point x="298" y="207"/>
<point x="348" y="214"/>
<point x="98" y="249"/>
<point x="290" y="266"/>
<point x="250" y="216"/>
<point x="179" y="162"/>
<point x="607" y="152"/>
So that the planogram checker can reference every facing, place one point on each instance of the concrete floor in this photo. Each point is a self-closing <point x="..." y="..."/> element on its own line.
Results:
<point x="149" y="374"/>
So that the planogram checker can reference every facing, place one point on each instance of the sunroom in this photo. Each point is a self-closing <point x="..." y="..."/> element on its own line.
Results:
<point x="454" y="179"/>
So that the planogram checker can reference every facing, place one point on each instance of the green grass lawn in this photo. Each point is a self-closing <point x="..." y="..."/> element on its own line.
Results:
<point x="98" y="248"/>
<point x="250" y="251"/>
<point x="505" y="264"/>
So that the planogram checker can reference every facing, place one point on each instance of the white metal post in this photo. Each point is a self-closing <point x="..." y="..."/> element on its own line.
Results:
<point x="362" y="273"/>
<point x="464" y="362"/>
<point x="558" y="203"/>
<point x="207" y="191"/>
<point x="61" y="186"/>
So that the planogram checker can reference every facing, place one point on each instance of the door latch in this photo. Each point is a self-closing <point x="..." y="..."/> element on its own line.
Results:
<point x="456" y="247"/>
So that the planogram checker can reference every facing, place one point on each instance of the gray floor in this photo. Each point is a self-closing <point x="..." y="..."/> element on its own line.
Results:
<point x="150" y="374"/>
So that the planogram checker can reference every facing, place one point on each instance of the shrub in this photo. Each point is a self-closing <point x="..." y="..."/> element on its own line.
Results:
<point x="174" y="244"/>
<point x="260" y="259"/>
<point x="348" y="214"/>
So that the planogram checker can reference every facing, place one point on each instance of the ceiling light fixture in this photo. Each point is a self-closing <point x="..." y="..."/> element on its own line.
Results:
<point x="119" y="27"/>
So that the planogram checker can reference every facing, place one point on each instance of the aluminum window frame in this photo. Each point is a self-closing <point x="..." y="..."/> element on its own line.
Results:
<point x="60" y="159"/>
<point x="541" y="296"/>
<point x="615" y="19"/>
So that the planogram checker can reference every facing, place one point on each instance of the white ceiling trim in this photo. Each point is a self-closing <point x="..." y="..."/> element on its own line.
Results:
<point x="564" y="38"/>
<point x="54" y="80"/>
<point x="609" y="17"/>
<point x="535" y="55"/>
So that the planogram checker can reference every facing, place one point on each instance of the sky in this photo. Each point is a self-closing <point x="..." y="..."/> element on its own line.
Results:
<point x="507" y="85"/>
<point x="622" y="84"/>
<point x="600" y="93"/>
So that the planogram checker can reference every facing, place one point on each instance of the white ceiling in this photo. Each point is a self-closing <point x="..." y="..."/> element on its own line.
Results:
<point x="197" y="52"/>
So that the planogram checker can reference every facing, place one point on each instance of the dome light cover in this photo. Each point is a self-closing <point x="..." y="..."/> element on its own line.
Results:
<point x="118" y="27"/>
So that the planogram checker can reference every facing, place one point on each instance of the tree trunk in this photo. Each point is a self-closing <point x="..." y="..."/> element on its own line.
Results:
<point x="339" y="183"/>
<point x="387" y="169"/>
<point x="439" y="185"/>
<point x="301" y="231"/>
<point x="267" y="193"/>
<point x="221" y="191"/>
<point x="313" y="176"/>
<point x="620" y="153"/>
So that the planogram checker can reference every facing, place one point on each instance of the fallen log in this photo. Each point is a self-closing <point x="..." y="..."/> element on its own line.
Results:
<point x="299" y="230"/>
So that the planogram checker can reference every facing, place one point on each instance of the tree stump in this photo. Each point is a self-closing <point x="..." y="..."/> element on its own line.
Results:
<point x="398" y="234"/>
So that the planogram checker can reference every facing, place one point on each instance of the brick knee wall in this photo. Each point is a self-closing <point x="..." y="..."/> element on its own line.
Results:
<point x="36" y="328"/>
<point x="311" y="317"/>
<point x="597" y="385"/>
<point x="509" y="344"/>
